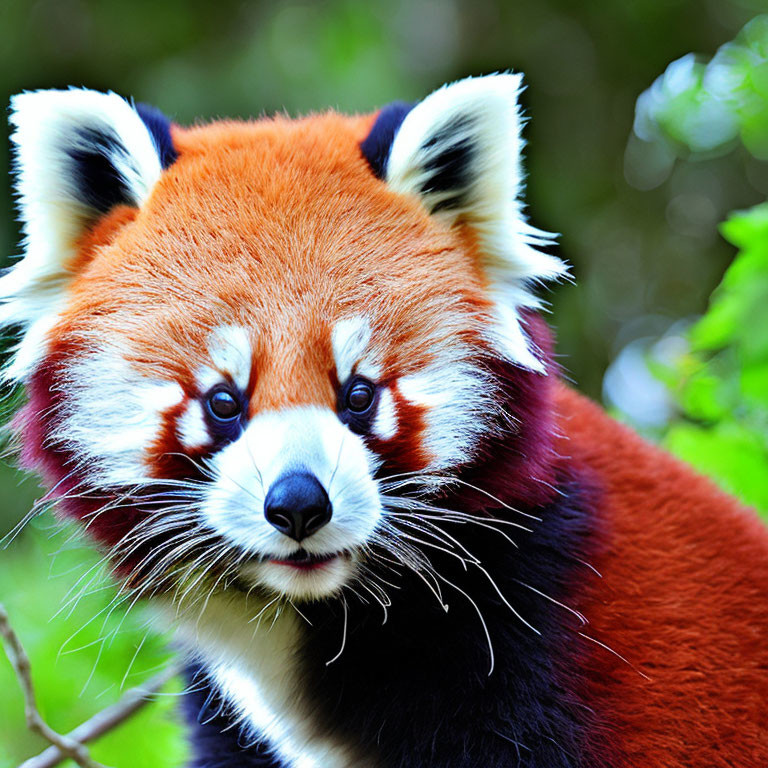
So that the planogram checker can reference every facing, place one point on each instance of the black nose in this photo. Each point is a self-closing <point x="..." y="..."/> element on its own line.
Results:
<point x="297" y="505"/>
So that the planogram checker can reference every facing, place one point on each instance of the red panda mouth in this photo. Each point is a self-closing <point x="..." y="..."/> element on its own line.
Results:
<point x="306" y="561"/>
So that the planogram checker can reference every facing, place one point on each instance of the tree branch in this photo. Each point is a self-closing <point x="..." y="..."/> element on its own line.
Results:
<point x="72" y="745"/>
<point x="108" y="719"/>
<point x="21" y="666"/>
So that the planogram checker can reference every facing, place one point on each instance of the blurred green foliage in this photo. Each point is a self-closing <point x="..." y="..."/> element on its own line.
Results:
<point x="704" y="107"/>
<point x="721" y="381"/>
<point x="639" y="227"/>
<point x="85" y="651"/>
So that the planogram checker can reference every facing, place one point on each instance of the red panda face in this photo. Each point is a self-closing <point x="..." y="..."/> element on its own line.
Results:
<point x="249" y="337"/>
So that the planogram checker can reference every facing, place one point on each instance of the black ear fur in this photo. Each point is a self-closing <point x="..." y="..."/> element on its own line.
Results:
<point x="95" y="155"/>
<point x="98" y="155"/>
<point x="448" y="155"/>
<point x="450" y="152"/>
<point x="159" y="127"/>
<point x="378" y="144"/>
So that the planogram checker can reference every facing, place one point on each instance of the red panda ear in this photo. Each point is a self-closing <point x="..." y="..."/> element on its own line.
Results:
<point x="460" y="152"/>
<point x="78" y="154"/>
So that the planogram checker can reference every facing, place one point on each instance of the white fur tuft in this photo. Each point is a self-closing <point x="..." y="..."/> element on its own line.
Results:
<point x="252" y="652"/>
<point x="482" y="116"/>
<point x="461" y="404"/>
<point x="111" y="416"/>
<point x="385" y="425"/>
<point x="351" y="339"/>
<point x="48" y="125"/>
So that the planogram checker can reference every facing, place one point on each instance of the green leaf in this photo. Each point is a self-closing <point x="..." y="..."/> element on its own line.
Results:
<point x="721" y="384"/>
<point x="730" y="453"/>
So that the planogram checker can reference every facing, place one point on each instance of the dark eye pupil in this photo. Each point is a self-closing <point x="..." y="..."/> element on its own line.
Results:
<point x="360" y="397"/>
<point x="223" y="405"/>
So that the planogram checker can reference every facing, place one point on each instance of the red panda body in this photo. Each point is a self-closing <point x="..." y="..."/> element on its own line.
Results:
<point x="681" y="597"/>
<point x="290" y="375"/>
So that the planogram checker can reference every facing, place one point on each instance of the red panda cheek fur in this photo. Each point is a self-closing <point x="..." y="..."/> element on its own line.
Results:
<point x="405" y="451"/>
<point x="35" y="422"/>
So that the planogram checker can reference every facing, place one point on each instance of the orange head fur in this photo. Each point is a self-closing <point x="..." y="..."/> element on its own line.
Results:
<point x="276" y="266"/>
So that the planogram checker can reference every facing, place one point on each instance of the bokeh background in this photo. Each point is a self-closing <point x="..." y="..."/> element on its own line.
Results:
<point x="638" y="199"/>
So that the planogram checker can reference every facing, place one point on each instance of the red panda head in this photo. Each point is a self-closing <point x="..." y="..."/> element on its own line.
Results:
<point x="242" y="341"/>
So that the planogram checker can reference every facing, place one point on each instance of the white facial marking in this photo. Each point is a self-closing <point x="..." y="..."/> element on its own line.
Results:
<point x="297" y="439"/>
<point x="460" y="402"/>
<point x="385" y="424"/>
<point x="230" y="352"/>
<point x="507" y="335"/>
<point x="112" y="415"/>
<point x="350" y="339"/>
<point x="191" y="427"/>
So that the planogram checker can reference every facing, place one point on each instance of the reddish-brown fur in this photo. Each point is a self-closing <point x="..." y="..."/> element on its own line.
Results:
<point x="683" y="597"/>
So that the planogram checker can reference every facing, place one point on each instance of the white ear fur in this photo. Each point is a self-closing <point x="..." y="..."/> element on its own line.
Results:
<point x="56" y="135"/>
<point x="460" y="151"/>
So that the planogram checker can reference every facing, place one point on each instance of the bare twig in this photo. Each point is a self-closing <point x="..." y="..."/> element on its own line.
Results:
<point x="20" y="663"/>
<point x="108" y="719"/>
<point x="71" y="746"/>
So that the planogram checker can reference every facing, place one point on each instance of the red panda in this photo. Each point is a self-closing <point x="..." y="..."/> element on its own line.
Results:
<point x="290" y="375"/>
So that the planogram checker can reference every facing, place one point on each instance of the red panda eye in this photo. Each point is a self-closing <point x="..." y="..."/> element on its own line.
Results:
<point x="360" y="396"/>
<point x="223" y="405"/>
